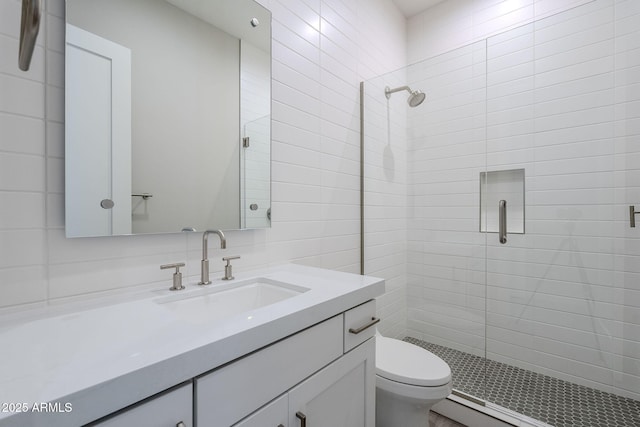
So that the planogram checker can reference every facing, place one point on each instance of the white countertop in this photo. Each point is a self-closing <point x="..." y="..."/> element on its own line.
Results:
<point x="95" y="361"/>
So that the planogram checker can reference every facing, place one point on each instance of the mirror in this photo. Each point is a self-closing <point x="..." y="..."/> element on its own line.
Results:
<point x="167" y="116"/>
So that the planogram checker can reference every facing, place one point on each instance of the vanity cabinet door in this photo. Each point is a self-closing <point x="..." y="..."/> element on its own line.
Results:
<point x="227" y="395"/>
<point x="272" y="415"/>
<point x="170" y="409"/>
<point x="340" y="395"/>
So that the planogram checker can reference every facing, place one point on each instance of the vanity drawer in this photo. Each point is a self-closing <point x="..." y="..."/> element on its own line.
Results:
<point x="232" y="392"/>
<point x="170" y="408"/>
<point x="359" y="324"/>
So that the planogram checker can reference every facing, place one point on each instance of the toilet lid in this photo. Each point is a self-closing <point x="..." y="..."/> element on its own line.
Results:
<point x="407" y="363"/>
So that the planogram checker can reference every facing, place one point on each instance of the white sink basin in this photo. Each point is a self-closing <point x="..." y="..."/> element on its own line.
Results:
<point x="228" y="300"/>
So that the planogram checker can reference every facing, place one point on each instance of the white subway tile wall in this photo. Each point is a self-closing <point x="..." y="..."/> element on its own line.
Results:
<point x="455" y="23"/>
<point x="560" y="99"/>
<point x="385" y="217"/>
<point x="321" y="51"/>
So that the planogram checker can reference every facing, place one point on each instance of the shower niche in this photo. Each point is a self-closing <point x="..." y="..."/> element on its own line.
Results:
<point x="497" y="186"/>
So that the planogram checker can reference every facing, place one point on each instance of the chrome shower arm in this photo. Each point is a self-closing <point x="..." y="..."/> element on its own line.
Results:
<point x="388" y="91"/>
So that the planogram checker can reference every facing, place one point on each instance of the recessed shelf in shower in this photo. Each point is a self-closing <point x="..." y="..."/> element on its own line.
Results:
<point x="502" y="185"/>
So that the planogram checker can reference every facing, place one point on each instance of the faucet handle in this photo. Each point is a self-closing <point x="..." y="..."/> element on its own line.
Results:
<point x="228" y="269"/>
<point x="177" y="276"/>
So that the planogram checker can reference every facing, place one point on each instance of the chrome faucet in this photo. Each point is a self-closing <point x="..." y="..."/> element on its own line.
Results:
<point x="204" y="264"/>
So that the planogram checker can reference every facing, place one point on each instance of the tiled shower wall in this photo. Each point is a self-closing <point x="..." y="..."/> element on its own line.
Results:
<point x="322" y="49"/>
<point x="385" y="195"/>
<point x="561" y="99"/>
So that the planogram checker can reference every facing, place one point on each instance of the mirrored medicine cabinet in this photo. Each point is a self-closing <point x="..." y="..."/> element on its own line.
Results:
<point x="167" y="116"/>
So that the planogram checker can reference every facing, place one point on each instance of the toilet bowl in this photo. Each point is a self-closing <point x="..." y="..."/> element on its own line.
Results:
<point x="409" y="380"/>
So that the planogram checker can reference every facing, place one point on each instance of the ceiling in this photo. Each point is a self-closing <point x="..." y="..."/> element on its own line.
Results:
<point x="413" y="7"/>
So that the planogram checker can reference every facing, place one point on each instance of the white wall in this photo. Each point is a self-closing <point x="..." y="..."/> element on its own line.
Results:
<point x="560" y="99"/>
<point x="321" y="51"/>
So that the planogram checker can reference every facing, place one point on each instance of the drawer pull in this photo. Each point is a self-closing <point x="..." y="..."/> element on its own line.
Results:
<point x="303" y="419"/>
<point x="374" y="320"/>
<point x="181" y="424"/>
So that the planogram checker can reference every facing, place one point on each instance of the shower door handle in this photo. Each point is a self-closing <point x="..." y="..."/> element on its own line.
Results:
<point x="502" y="221"/>
<point x="632" y="216"/>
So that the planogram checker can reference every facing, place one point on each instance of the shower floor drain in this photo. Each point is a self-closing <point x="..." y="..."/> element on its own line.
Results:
<point x="550" y="400"/>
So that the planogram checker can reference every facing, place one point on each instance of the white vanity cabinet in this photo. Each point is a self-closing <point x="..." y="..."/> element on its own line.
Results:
<point x="340" y="395"/>
<point x="307" y="380"/>
<point x="322" y="376"/>
<point x="274" y="414"/>
<point x="180" y="362"/>
<point x="173" y="408"/>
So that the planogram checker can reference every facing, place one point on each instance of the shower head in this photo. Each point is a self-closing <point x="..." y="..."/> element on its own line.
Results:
<point x="416" y="97"/>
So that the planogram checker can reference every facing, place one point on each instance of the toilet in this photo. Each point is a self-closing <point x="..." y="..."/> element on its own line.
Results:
<point x="409" y="380"/>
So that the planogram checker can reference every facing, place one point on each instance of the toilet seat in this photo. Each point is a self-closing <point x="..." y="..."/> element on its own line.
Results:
<point x="407" y="363"/>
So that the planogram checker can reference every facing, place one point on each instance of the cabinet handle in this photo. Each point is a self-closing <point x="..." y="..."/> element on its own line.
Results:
<point x="303" y="419"/>
<point x="181" y="424"/>
<point x="280" y="425"/>
<point x="374" y="320"/>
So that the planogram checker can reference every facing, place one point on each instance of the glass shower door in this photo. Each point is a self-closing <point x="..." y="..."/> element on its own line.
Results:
<point x="422" y="165"/>
<point x="446" y="145"/>
<point x="555" y="297"/>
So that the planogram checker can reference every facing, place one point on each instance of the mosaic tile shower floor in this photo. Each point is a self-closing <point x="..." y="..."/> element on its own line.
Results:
<point x="547" y="399"/>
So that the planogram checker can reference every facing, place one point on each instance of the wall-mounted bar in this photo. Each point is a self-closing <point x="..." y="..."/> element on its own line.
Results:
<point x="29" y="27"/>
<point x="145" y="196"/>
<point x="632" y="216"/>
<point x="502" y="227"/>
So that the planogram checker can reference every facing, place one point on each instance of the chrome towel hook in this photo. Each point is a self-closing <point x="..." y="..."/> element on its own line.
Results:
<point x="29" y="27"/>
